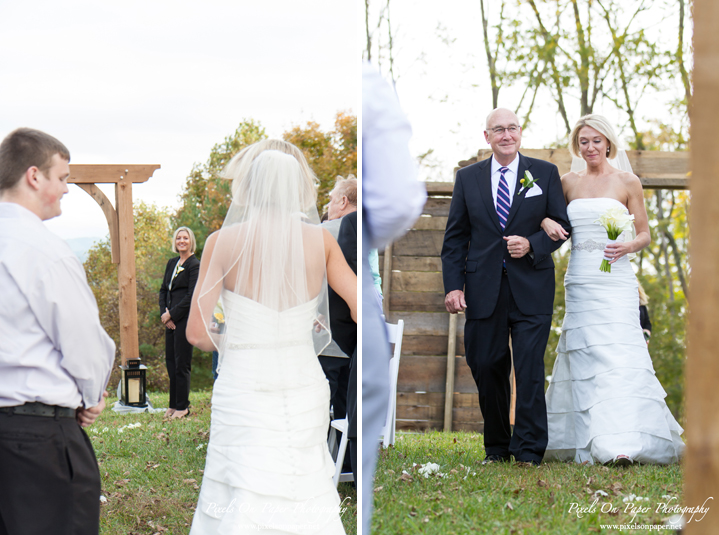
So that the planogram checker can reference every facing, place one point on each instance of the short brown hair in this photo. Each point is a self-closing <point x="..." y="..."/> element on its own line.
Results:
<point x="24" y="148"/>
<point x="347" y="187"/>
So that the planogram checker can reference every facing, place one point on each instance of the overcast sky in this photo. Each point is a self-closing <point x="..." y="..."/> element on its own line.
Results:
<point x="161" y="82"/>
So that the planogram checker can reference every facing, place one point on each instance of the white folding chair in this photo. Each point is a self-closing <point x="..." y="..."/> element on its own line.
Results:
<point x="340" y="426"/>
<point x="394" y="334"/>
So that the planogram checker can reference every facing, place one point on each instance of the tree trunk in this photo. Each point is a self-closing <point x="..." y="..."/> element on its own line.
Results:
<point x="491" y="61"/>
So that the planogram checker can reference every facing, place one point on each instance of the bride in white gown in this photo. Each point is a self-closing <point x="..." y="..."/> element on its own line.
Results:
<point x="604" y="403"/>
<point x="268" y="468"/>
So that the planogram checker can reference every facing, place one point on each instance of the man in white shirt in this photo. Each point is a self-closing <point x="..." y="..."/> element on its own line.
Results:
<point x="55" y="357"/>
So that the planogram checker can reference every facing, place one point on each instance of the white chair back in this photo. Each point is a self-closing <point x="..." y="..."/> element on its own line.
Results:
<point x="394" y="335"/>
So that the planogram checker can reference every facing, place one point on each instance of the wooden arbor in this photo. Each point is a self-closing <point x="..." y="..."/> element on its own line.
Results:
<point x="122" y="236"/>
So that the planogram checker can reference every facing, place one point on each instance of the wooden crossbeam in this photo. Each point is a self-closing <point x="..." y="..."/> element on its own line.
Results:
<point x="110" y="173"/>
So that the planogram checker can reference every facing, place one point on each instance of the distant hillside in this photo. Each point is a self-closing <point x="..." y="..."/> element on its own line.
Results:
<point x="80" y="246"/>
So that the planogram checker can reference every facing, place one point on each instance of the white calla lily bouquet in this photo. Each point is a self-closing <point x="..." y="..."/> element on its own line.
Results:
<point x="615" y="221"/>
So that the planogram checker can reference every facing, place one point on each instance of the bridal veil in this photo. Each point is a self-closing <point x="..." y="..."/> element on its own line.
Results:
<point x="270" y="248"/>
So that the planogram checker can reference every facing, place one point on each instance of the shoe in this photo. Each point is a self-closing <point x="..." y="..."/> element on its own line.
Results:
<point x="493" y="458"/>
<point x="620" y="460"/>
<point x="181" y="414"/>
<point x="169" y="413"/>
<point x="527" y="464"/>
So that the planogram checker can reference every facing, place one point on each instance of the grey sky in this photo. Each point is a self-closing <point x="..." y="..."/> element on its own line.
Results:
<point x="161" y="82"/>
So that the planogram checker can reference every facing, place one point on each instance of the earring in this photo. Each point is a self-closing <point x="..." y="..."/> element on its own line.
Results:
<point x="608" y="150"/>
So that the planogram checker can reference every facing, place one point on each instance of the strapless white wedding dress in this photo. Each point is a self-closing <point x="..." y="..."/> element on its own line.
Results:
<point x="268" y="468"/>
<point x="603" y="398"/>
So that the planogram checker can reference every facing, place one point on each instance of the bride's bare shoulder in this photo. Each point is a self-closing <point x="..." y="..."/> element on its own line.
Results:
<point x="571" y="177"/>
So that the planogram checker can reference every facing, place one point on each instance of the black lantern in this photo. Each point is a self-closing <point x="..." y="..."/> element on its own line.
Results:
<point x="133" y="383"/>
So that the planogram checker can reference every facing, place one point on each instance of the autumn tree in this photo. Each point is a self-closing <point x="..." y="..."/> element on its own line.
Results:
<point x="330" y="154"/>
<point x="207" y="196"/>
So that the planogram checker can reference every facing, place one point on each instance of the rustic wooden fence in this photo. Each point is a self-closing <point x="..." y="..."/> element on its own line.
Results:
<point x="414" y="292"/>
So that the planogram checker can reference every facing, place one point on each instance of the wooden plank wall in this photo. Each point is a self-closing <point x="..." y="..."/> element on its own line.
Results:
<point x="417" y="296"/>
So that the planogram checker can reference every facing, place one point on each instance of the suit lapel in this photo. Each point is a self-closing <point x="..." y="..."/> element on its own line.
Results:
<point x="484" y="177"/>
<point x="524" y="164"/>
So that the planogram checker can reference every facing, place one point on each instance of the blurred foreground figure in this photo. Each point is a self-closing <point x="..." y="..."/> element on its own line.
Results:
<point x="392" y="200"/>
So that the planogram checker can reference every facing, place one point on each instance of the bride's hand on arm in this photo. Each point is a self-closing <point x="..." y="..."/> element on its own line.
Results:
<point x="196" y="331"/>
<point x="339" y="275"/>
<point x="554" y="230"/>
<point x="635" y="204"/>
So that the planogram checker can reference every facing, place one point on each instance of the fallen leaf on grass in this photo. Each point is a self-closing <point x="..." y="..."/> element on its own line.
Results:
<point x="189" y="481"/>
<point x="600" y="493"/>
<point x="406" y="477"/>
<point x="550" y="501"/>
<point x="541" y="483"/>
<point x="378" y="489"/>
<point x="509" y="506"/>
<point x="121" y="482"/>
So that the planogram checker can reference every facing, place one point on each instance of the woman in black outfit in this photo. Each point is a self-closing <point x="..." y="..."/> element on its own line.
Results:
<point x="175" y="298"/>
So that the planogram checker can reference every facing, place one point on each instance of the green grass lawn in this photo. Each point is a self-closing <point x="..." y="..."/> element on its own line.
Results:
<point x="152" y="472"/>
<point x="508" y="499"/>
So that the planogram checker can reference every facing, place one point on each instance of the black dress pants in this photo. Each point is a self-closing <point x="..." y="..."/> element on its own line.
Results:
<point x="337" y="371"/>
<point x="178" y="358"/>
<point x="49" y="479"/>
<point x="488" y="356"/>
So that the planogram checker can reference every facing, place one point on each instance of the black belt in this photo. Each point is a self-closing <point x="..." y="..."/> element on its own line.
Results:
<point x="40" y="409"/>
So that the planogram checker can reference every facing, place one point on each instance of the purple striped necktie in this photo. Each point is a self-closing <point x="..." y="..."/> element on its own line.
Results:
<point x="503" y="198"/>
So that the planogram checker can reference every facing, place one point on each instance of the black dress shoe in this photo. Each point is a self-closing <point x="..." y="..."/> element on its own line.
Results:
<point x="493" y="458"/>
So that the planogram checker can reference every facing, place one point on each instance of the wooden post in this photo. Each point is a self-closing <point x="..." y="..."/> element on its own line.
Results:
<point x="386" y="279"/>
<point x="129" y="338"/>
<point x="449" y="384"/>
<point x="702" y="368"/>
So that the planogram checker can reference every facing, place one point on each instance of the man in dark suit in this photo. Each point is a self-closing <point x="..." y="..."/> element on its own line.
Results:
<point x="497" y="267"/>
<point x="344" y="332"/>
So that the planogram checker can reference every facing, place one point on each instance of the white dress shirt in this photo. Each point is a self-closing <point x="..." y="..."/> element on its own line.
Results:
<point x="510" y="176"/>
<point x="52" y="346"/>
<point x="392" y="198"/>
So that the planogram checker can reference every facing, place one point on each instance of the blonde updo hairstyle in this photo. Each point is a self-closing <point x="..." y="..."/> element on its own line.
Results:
<point x="239" y="167"/>
<point x="601" y="125"/>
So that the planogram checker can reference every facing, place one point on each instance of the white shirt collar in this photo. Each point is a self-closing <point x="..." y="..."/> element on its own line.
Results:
<point x="13" y="209"/>
<point x="513" y="166"/>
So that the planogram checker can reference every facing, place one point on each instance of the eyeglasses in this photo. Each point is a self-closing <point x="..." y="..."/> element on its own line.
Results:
<point x="499" y="130"/>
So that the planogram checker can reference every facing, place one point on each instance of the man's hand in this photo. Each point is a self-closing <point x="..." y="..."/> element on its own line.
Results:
<point x="454" y="301"/>
<point x="517" y="246"/>
<point x="87" y="417"/>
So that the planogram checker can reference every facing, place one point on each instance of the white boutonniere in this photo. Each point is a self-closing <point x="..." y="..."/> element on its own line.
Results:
<point x="527" y="182"/>
<point x="180" y="269"/>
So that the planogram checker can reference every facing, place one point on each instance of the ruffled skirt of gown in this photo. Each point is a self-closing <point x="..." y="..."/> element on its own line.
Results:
<point x="603" y="399"/>
<point x="268" y="467"/>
